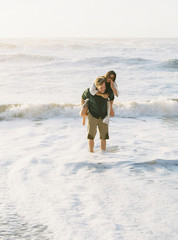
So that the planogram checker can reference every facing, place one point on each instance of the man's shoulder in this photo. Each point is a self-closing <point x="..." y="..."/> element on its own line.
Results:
<point x="86" y="93"/>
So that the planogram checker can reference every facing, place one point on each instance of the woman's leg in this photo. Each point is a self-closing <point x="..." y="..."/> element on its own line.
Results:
<point x="111" y="110"/>
<point x="84" y="112"/>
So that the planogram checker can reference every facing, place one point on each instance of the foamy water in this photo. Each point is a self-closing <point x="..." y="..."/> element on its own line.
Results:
<point x="51" y="187"/>
<point x="153" y="108"/>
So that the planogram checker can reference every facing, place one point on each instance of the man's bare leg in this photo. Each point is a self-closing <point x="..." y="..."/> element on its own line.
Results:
<point x="103" y="144"/>
<point x="91" y="144"/>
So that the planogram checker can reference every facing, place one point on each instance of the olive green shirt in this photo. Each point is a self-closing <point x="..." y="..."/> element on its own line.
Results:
<point x="97" y="105"/>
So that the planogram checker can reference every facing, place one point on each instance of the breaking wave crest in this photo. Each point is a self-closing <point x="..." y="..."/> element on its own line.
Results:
<point x="38" y="111"/>
<point x="155" y="108"/>
<point x="152" y="108"/>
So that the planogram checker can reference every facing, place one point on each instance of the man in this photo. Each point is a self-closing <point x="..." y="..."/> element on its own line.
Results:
<point x="97" y="111"/>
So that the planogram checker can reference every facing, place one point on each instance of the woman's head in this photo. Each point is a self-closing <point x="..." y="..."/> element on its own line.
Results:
<point x="111" y="75"/>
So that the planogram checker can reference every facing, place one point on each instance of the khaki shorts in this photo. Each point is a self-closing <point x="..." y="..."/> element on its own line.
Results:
<point x="92" y="127"/>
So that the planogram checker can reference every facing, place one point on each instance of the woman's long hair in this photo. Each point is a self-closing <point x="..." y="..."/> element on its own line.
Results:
<point x="111" y="73"/>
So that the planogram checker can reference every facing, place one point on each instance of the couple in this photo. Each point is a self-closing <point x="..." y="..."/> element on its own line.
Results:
<point x="97" y="104"/>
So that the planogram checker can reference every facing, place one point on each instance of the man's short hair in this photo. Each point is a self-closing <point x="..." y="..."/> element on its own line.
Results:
<point x="100" y="80"/>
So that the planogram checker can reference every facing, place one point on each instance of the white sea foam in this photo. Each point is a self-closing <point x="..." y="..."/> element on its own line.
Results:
<point x="152" y="108"/>
<point x="43" y="111"/>
<point x="51" y="187"/>
<point x="52" y="180"/>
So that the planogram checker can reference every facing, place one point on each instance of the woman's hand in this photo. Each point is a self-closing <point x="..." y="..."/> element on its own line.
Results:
<point x="105" y="95"/>
<point x="115" y="91"/>
<point x="111" y="84"/>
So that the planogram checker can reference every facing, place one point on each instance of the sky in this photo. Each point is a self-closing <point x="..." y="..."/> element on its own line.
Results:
<point x="88" y="18"/>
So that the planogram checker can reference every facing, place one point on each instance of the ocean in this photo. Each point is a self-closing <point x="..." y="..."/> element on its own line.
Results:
<point x="51" y="187"/>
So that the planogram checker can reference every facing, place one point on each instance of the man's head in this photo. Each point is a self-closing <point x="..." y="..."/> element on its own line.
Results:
<point x="100" y="84"/>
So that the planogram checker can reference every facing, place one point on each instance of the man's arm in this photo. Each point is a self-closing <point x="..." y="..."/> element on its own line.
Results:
<point x="82" y="102"/>
<point x="85" y="95"/>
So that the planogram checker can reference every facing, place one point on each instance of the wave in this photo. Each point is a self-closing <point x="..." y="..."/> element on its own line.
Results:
<point x="153" y="108"/>
<point x="7" y="45"/>
<point x="24" y="57"/>
<point x="94" y="61"/>
<point x="171" y="63"/>
<point x="137" y="61"/>
<point x="38" y="111"/>
<point x="110" y="60"/>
